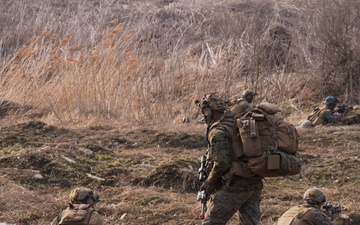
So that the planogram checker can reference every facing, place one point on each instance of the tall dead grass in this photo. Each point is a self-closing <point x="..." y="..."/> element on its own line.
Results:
<point x="147" y="61"/>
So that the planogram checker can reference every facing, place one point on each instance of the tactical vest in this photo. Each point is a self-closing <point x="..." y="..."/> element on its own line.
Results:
<point x="315" y="117"/>
<point x="295" y="216"/>
<point x="76" y="214"/>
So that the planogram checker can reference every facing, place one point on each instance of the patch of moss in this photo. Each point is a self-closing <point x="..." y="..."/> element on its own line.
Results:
<point x="6" y="150"/>
<point x="104" y="157"/>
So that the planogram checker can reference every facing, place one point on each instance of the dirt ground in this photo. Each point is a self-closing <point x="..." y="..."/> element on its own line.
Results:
<point x="149" y="175"/>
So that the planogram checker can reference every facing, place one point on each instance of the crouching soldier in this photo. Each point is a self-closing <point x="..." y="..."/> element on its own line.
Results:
<point x="308" y="213"/>
<point x="80" y="210"/>
<point x="327" y="114"/>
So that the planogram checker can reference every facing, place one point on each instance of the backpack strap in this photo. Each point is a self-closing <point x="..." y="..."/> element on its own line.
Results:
<point x="232" y="130"/>
<point x="314" y="114"/>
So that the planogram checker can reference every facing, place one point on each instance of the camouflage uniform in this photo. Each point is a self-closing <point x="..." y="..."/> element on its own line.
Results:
<point x="352" y="116"/>
<point x="348" y="219"/>
<point x="79" y="196"/>
<point x="327" y="116"/>
<point x="304" y="215"/>
<point x="241" y="195"/>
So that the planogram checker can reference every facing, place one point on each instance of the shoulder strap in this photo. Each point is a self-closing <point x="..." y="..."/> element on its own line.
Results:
<point x="314" y="114"/>
<point x="231" y="129"/>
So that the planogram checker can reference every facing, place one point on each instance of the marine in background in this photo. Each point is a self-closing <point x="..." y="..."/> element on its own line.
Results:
<point x="352" y="218"/>
<point x="327" y="114"/>
<point x="333" y="114"/>
<point x="309" y="213"/>
<point x="243" y="105"/>
<point x="81" y="209"/>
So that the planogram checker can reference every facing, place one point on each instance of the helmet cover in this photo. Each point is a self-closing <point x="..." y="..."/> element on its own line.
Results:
<point x="331" y="100"/>
<point x="248" y="92"/>
<point x="314" y="195"/>
<point x="82" y="194"/>
<point x="214" y="101"/>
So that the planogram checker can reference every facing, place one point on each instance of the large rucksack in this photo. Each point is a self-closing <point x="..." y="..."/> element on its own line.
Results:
<point x="76" y="214"/>
<point x="269" y="143"/>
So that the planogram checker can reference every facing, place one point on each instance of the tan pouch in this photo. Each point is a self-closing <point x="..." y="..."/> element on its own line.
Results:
<point x="273" y="162"/>
<point x="249" y="135"/>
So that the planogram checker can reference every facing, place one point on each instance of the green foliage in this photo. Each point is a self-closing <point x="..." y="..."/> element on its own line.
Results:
<point x="7" y="150"/>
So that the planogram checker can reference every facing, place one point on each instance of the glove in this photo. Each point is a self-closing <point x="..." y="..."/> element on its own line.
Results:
<point x="208" y="187"/>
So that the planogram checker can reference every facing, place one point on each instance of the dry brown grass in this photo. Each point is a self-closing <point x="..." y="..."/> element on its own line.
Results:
<point x="82" y="61"/>
<point x="103" y="64"/>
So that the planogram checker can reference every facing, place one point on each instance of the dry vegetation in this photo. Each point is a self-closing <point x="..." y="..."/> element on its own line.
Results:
<point x="117" y="78"/>
<point x="142" y="61"/>
<point x="149" y="175"/>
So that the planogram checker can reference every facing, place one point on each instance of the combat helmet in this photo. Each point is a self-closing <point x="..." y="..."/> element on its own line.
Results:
<point x="330" y="100"/>
<point x="314" y="195"/>
<point x="248" y="92"/>
<point x="213" y="101"/>
<point x="83" y="195"/>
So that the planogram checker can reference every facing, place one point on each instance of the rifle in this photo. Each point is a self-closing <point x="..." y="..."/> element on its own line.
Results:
<point x="333" y="211"/>
<point x="202" y="196"/>
<point x="344" y="108"/>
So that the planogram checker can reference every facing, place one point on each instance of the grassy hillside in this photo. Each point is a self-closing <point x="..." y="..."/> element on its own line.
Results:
<point x="93" y="93"/>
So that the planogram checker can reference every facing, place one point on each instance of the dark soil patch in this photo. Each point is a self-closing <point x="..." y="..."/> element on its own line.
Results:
<point x="178" y="176"/>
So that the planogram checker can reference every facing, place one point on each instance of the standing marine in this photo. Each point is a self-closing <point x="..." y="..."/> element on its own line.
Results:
<point x="231" y="194"/>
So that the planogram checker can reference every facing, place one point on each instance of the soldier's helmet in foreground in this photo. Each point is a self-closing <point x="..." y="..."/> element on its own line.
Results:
<point x="314" y="195"/>
<point x="83" y="195"/>
<point x="248" y="92"/>
<point x="330" y="100"/>
<point x="214" y="101"/>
